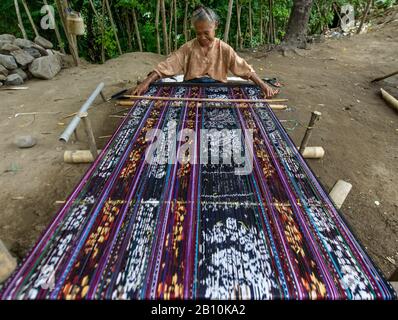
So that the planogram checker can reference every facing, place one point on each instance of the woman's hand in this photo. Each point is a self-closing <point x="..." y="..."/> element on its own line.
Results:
<point x="140" y="89"/>
<point x="268" y="91"/>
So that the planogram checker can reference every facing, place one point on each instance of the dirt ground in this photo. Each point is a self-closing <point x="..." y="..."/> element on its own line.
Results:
<point x="358" y="131"/>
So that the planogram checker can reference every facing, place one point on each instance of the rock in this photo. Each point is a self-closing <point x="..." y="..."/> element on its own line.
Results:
<point x="14" y="80"/>
<point x="42" y="51"/>
<point x="43" y="42"/>
<point x="23" y="58"/>
<point x="1" y="84"/>
<point x="3" y="43"/>
<point x="21" y="73"/>
<point x="46" y="67"/>
<point x="33" y="52"/>
<point x="26" y="141"/>
<point x="8" y="62"/>
<point x="3" y="71"/>
<point x="7" y="37"/>
<point x="23" y="43"/>
<point x="9" y="47"/>
<point x="3" y="77"/>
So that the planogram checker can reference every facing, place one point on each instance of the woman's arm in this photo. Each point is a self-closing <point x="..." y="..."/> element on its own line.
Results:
<point x="239" y="67"/>
<point x="174" y="64"/>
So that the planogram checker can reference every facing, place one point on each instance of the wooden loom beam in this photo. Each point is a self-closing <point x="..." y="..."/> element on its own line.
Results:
<point x="127" y="103"/>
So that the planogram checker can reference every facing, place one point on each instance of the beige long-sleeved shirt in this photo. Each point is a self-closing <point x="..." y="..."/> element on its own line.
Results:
<point x="190" y="60"/>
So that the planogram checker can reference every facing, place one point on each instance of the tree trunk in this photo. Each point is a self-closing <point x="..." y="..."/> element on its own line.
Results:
<point x="129" y="31"/>
<point x="186" y="21"/>
<point x="113" y="27"/>
<point x="61" y="12"/>
<point x="103" y="58"/>
<point x="261" y="22"/>
<point x="137" y="31"/>
<point x="164" y="27"/>
<point x="250" y="23"/>
<point x="175" y="25"/>
<point x="364" y="16"/>
<point x="239" y="30"/>
<point x="171" y="26"/>
<point x="20" y="24"/>
<point x="228" y="23"/>
<point x="296" y="35"/>
<point x="157" y="25"/>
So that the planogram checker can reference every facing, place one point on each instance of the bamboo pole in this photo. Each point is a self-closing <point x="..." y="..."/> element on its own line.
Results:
<point x="20" y="23"/>
<point x="56" y="30"/>
<point x="79" y="156"/>
<point x="157" y="26"/>
<point x="228" y="23"/>
<point x="113" y="26"/>
<point x="164" y="27"/>
<point x="30" y="18"/>
<point x="389" y="99"/>
<point x="137" y="31"/>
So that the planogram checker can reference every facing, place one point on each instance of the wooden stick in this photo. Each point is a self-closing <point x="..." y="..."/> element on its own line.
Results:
<point x="20" y="23"/>
<point x="385" y="77"/>
<point x="61" y="12"/>
<point x="272" y="106"/>
<point x="90" y="135"/>
<point x="315" y="115"/>
<point x="364" y="16"/>
<point x="198" y="99"/>
<point x="389" y="99"/>
<point x="30" y="18"/>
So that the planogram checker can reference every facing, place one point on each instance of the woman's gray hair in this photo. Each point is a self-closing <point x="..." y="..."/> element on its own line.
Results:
<point x="202" y="13"/>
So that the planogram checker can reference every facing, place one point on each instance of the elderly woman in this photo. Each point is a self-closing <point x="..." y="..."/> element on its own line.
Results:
<point x="204" y="59"/>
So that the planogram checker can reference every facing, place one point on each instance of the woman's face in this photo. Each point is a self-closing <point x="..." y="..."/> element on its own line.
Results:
<point x="205" y="32"/>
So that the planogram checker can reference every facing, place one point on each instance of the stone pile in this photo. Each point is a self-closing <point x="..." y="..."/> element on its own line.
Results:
<point x="22" y="59"/>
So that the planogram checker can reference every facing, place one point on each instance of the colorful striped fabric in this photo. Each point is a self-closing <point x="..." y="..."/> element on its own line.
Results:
<point x="138" y="230"/>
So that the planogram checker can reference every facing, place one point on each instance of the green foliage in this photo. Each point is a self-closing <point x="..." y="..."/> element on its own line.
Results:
<point x="322" y="17"/>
